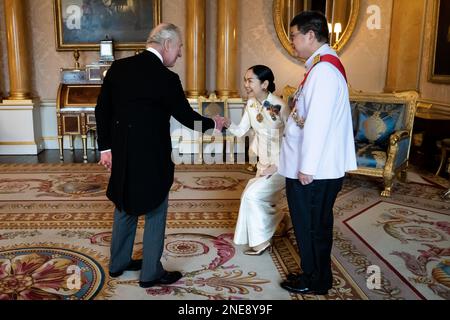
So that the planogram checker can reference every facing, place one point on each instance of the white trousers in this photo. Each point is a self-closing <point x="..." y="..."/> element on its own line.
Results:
<point x="258" y="217"/>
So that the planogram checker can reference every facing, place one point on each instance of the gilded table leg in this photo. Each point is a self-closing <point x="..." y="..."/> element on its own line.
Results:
<point x="72" y="143"/>
<point x="84" y="138"/>
<point x="60" y="143"/>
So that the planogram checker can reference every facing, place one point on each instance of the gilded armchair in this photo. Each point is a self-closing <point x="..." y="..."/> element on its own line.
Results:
<point x="382" y="124"/>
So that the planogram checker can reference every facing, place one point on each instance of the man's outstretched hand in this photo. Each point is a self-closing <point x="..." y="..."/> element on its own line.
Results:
<point x="106" y="160"/>
<point x="220" y="122"/>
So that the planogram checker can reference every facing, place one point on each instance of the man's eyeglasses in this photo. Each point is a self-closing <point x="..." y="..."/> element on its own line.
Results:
<point x="293" y="35"/>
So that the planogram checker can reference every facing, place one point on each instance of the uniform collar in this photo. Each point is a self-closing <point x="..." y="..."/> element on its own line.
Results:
<point x="269" y="98"/>
<point x="324" y="49"/>
<point x="156" y="53"/>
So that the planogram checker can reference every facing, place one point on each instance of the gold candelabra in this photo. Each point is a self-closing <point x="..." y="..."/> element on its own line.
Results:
<point x="76" y="56"/>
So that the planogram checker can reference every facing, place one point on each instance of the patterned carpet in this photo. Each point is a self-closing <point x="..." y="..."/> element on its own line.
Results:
<point x="55" y="229"/>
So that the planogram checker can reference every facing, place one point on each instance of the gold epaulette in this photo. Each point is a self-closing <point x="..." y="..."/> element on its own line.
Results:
<point x="316" y="59"/>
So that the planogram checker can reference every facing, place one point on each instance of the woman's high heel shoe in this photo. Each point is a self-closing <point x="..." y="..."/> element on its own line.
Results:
<point x="252" y="252"/>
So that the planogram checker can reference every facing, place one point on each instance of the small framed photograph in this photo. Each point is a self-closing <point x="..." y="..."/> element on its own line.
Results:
<point x="94" y="72"/>
<point x="212" y="106"/>
<point x="73" y="76"/>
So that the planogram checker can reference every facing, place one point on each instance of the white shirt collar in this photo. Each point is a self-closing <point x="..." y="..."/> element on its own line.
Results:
<point x="156" y="53"/>
<point x="324" y="49"/>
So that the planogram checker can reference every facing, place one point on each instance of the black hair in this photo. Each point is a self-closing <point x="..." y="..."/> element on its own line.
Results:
<point x="314" y="21"/>
<point x="264" y="73"/>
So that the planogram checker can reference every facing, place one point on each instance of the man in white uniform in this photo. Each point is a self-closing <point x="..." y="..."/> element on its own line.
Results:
<point x="317" y="149"/>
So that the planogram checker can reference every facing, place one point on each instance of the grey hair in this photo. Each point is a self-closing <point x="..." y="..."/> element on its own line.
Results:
<point x="162" y="32"/>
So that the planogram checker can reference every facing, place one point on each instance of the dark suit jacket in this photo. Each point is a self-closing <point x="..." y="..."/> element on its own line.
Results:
<point x="138" y="97"/>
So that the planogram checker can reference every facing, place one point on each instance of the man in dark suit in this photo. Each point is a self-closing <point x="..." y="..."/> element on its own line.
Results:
<point x="138" y="97"/>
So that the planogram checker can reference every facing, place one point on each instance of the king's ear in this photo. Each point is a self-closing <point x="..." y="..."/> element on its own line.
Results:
<point x="166" y="44"/>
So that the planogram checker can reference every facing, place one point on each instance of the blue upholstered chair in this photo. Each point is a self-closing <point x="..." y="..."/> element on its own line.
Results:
<point x="382" y="124"/>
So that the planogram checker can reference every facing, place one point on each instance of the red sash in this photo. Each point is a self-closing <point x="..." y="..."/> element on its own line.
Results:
<point x="330" y="59"/>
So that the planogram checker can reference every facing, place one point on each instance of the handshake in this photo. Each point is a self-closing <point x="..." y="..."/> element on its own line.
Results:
<point x="221" y="122"/>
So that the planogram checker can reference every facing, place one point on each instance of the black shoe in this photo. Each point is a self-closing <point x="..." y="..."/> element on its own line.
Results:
<point x="134" y="265"/>
<point x="168" y="277"/>
<point x="297" y="286"/>
<point x="293" y="276"/>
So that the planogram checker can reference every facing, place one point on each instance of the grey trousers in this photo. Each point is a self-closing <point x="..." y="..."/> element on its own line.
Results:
<point x="123" y="234"/>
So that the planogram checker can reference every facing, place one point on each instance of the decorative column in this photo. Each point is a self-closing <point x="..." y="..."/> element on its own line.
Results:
<point x="20" y="125"/>
<point x="195" y="48"/>
<point x="406" y="44"/>
<point x="227" y="29"/>
<point x="19" y="72"/>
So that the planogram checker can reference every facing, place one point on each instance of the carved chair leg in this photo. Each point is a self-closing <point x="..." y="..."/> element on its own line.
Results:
<point x="388" y="182"/>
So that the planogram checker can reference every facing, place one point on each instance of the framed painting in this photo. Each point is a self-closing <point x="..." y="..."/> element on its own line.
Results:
<point x="211" y="106"/>
<point x="82" y="24"/>
<point x="440" y="47"/>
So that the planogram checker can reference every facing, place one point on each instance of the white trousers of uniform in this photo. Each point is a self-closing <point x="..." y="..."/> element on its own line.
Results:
<point x="258" y="217"/>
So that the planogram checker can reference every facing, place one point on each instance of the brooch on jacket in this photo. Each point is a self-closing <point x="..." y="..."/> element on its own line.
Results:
<point x="274" y="110"/>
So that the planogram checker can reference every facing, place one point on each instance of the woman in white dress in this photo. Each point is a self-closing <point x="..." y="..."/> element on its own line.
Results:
<point x="266" y="114"/>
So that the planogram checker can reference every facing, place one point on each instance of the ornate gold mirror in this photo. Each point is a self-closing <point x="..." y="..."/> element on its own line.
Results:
<point x="341" y="15"/>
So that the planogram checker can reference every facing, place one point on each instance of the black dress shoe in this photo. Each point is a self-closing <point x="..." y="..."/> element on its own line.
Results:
<point x="134" y="265"/>
<point x="168" y="277"/>
<point x="293" y="276"/>
<point x="298" y="286"/>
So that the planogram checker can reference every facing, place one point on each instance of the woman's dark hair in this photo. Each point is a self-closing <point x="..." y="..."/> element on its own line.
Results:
<point x="314" y="21"/>
<point x="264" y="73"/>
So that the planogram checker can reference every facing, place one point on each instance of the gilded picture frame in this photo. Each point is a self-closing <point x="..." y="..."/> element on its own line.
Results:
<point x="281" y="8"/>
<point x="439" y="68"/>
<point x="212" y="106"/>
<point x="82" y="24"/>
<point x="209" y="107"/>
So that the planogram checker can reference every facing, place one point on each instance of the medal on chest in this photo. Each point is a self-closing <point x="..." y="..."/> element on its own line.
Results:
<point x="259" y="117"/>
<point x="259" y="109"/>
<point x="300" y="121"/>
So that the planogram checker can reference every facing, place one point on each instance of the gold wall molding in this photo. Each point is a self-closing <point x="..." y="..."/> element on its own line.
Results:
<point x="18" y="48"/>
<point x="433" y="110"/>
<point x="25" y="104"/>
<point x="17" y="143"/>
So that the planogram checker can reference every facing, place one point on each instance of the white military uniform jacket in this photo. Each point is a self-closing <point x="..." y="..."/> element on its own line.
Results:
<point x="267" y="141"/>
<point x="325" y="147"/>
